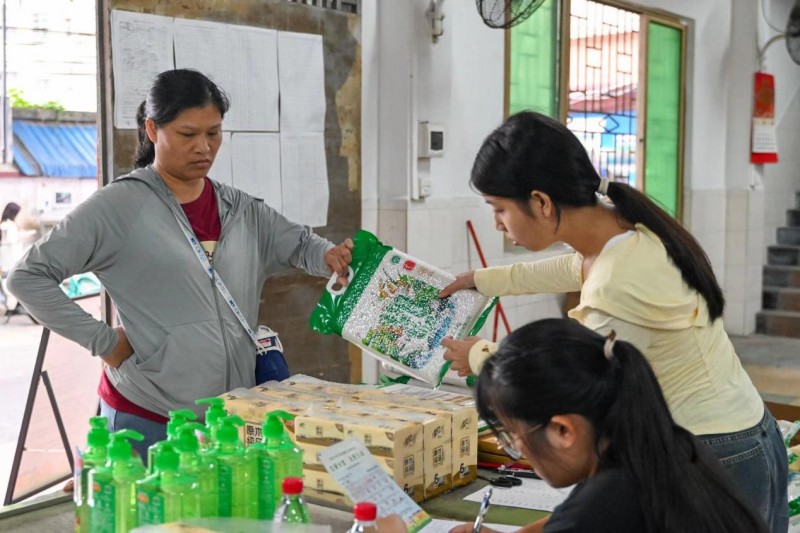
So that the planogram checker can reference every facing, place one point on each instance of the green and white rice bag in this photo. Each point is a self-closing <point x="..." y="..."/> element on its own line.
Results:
<point x="391" y="309"/>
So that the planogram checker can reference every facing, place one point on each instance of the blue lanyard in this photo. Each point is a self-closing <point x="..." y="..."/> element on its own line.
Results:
<point x="223" y="290"/>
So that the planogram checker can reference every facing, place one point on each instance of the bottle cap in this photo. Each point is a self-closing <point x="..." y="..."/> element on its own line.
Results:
<point x="273" y="429"/>
<point x="227" y="431"/>
<point x="187" y="439"/>
<point x="120" y="449"/>
<point x="365" y="511"/>
<point x="99" y="436"/>
<point x="167" y="458"/>
<point x="177" y="419"/>
<point x="216" y="408"/>
<point x="292" y="485"/>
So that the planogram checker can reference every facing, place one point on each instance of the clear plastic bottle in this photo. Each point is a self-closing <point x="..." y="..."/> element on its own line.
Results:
<point x="112" y="500"/>
<point x="287" y="458"/>
<point x="364" y="515"/>
<point x="95" y="454"/>
<point x="293" y="509"/>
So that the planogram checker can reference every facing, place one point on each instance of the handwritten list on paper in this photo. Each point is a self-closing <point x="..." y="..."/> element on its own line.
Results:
<point x="142" y="48"/>
<point x="532" y="494"/>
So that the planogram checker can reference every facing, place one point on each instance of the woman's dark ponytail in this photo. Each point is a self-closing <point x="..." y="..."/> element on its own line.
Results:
<point x="531" y="151"/>
<point x="681" y="246"/>
<point x="669" y="466"/>
<point x="145" y="150"/>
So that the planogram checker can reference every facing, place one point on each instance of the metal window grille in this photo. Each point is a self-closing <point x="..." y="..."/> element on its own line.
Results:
<point x="604" y="86"/>
<point x="345" y="6"/>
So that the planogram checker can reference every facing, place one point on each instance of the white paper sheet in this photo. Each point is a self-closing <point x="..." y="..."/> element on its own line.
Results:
<point x="304" y="178"/>
<point x="301" y="70"/>
<point x="364" y="480"/>
<point x="141" y="48"/>
<point x="257" y="166"/>
<point x="253" y="88"/>
<point x="443" y="526"/>
<point x="203" y="46"/>
<point x="222" y="169"/>
<point x="532" y="494"/>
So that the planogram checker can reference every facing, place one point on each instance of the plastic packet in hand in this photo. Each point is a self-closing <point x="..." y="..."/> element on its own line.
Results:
<point x="391" y="309"/>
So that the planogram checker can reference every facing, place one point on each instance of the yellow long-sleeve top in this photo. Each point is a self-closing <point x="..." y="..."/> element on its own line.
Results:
<point x="634" y="288"/>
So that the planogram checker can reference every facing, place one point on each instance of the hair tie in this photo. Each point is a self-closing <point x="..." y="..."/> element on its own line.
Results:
<point x="603" y="187"/>
<point x="608" y="347"/>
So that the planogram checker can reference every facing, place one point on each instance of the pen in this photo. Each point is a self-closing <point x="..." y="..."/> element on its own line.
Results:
<point x="482" y="511"/>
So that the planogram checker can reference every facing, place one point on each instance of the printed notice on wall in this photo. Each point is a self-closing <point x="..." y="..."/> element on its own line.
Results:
<point x="764" y="144"/>
<point x="363" y="480"/>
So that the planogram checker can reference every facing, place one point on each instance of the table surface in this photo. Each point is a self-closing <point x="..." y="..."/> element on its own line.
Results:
<point x="449" y="506"/>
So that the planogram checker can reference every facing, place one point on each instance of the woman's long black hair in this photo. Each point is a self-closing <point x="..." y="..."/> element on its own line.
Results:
<point x="557" y="366"/>
<point x="530" y="151"/>
<point x="172" y="92"/>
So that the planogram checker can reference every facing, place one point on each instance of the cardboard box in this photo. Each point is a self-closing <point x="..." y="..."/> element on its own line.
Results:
<point x="437" y="426"/>
<point x="464" y="448"/>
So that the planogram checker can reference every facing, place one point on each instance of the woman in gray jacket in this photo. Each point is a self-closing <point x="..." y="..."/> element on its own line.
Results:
<point x="145" y="236"/>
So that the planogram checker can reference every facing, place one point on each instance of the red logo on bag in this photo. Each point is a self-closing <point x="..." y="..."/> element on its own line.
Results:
<point x="409" y="265"/>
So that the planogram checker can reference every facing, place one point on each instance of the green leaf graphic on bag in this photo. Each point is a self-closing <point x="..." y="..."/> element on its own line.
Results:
<point x="391" y="309"/>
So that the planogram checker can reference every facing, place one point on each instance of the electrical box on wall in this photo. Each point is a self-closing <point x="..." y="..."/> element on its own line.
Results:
<point x="431" y="140"/>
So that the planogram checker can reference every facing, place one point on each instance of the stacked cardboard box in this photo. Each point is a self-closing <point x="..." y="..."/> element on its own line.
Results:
<point x="428" y="444"/>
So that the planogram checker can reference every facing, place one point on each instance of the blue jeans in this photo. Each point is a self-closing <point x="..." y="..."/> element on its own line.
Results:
<point x="153" y="431"/>
<point x="756" y="458"/>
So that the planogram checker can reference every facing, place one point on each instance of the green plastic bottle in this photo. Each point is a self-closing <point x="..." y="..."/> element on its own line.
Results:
<point x="177" y="418"/>
<point x="215" y="412"/>
<point x="265" y="468"/>
<point x="168" y="495"/>
<point x="287" y="458"/>
<point x="238" y="483"/>
<point x="195" y="461"/>
<point x="112" y="500"/>
<point x="293" y="509"/>
<point x="95" y="454"/>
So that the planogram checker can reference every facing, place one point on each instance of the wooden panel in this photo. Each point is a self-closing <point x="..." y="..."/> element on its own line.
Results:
<point x="287" y="299"/>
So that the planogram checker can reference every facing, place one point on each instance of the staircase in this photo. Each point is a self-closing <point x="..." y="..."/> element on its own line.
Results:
<point x="780" y="313"/>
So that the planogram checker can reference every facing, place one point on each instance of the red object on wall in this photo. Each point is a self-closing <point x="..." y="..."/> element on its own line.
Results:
<point x="763" y="143"/>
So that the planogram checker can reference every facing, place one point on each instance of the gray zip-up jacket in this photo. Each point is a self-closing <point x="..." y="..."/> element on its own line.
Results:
<point x="187" y="342"/>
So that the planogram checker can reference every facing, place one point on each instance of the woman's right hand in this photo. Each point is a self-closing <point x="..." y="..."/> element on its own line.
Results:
<point x="121" y="351"/>
<point x="465" y="280"/>
<point x="467" y="528"/>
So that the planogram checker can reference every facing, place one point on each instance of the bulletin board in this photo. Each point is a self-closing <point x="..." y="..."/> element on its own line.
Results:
<point x="288" y="298"/>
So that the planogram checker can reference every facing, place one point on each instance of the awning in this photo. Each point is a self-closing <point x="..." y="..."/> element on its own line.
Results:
<point x="55" y="149"/>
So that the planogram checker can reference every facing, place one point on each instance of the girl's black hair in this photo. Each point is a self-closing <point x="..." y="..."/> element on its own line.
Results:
<point x="557" y="366"/>
<point x="10" y="211"/>
<point x="530" y="151"/>
<point x="172" y="92"/>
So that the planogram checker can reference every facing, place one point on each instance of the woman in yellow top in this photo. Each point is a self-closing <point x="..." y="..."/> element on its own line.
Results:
<point x="640" y="274"/>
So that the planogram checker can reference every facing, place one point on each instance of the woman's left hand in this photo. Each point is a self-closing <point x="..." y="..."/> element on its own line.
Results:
<point x="338" y="260"/>
<point x="458" y="353"/>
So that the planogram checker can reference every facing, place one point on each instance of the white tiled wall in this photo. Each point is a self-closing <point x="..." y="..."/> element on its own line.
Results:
<point x="744" y="257"/>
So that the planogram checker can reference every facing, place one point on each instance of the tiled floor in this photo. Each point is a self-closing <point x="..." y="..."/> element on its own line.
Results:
<point x="773" y="364"/>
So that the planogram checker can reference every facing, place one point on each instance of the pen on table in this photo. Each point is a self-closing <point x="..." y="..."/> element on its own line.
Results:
<point x="482" y="511"/>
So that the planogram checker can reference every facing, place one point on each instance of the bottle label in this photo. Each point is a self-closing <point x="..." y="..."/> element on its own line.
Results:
<point x="102" y="518"/>
<point x="225" y="490"/>
<point x="149" y="506"/>
<point x="266" y="488"/>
